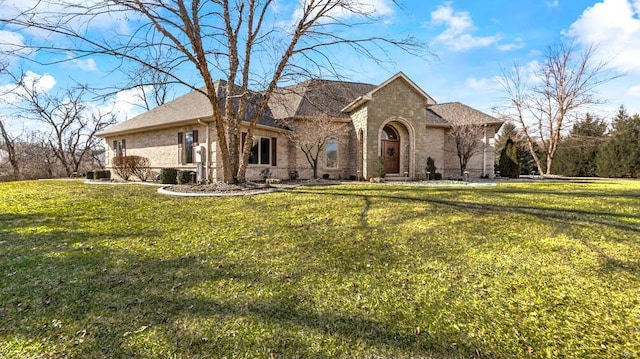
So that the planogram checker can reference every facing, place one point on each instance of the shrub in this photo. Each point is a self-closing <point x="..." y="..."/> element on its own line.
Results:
<point x="293" y="175"/>
<point x="169" y="176"/>
<point x="509" y="162"/>
<point x="266" y="173"/>
<point x="185" y="177"/>
<point x="380" y="171"/>
<point x="127" y="166"/>
<point x="102" y="174"/>
<point x="142" y="170"/>
<point x="438" y="176"/>
<point x="431" y="168"/>
<point x="90" y="175"/>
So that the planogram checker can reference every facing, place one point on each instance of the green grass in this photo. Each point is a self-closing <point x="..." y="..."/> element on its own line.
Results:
<point x="517" y="270"/>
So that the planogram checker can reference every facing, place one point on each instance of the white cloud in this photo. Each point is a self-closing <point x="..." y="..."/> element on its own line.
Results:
<point x="483" y="83"/>
<point x="126" y="104"/>
<point x="40" y="83"/>
<point x="69" y="13"/>
<point x="553" y="4"/>
<point x="86" y="65"/>
<point x="458" y="34"/>
<point x="11" y="42"/>
<point x="614" y="27"/>
<point x="634" y="91"/>
<point x="349" y="9"/>
<point x="518" y="44"/>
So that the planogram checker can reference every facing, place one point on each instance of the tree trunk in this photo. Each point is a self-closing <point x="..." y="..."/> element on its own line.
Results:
<point x="315" y="168"/>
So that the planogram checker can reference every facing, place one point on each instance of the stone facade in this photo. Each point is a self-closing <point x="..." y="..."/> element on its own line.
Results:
<point x="419" y="123"/>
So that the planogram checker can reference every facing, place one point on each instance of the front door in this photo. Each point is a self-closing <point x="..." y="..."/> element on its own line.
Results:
<point x="391" y="154"/>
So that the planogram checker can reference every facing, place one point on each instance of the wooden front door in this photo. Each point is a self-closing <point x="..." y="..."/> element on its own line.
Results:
<point x="391" y="154"/>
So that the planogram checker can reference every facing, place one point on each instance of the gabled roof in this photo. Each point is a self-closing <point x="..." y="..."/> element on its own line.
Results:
<point x="368" y="96"/>
<point x="307" y="100"/>
<point x="443" y="115"/>
<point x="186" y="109"/>
<point x="316" y="98"/>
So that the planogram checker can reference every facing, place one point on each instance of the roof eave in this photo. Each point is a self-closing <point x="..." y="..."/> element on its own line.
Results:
<point x="438" y="125"/>
<point x="108" y="133"/>
<point x="361" y="100"/>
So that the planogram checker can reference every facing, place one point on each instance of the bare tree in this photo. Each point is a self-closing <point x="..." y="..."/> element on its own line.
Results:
<point x="40" y="154"/>
<point x="243" y="41"/>
<point x="9" y="141"/>
<point x="9" y="145"/>
<point x="153" y="87"/>
<point x="466" y="137"/>
<point x="312" y="135"/>
<point x="70" y="122"/>
<point x="544" y="106"/>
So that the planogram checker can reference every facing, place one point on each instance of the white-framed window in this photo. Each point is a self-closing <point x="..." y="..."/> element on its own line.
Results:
<point x="186" y="141"/>
<point x="119" y="148"/>
<point x="331" y="149"/>
<point x="263" y="150"/>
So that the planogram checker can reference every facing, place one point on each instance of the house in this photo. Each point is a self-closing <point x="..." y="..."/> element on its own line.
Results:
<point x="396" y="121"/>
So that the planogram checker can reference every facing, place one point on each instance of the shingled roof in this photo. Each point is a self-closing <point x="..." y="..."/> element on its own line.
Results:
<point x="310" y="99"/>
<point x="442" y="115"/>
<point x="185" y="109"/>
<point x="316" y="98"/>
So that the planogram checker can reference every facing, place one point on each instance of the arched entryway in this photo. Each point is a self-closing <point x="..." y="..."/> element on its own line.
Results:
<point x="396" y="143"/>
<point x="390" y="141"/>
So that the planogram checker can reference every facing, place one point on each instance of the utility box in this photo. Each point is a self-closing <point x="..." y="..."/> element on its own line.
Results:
<point x="199" y="154"/>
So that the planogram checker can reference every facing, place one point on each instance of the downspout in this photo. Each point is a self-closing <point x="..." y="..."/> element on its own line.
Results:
<point x="207" y="162"/>
<point x="484" y="152"/>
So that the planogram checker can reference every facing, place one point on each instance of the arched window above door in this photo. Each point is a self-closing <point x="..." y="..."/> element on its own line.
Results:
<point x="389" y="133"/>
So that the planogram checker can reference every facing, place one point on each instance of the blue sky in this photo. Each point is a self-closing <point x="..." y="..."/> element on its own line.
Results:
<point x="474" y="39"/>
<point x="471" y="41"/>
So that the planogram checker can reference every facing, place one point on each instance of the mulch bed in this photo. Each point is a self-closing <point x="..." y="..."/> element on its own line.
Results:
<point x="218" y="187"/>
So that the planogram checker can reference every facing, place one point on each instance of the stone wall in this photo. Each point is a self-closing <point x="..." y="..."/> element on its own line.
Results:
<point x="396" y="102"/>
<point x="484" y="155"/>
<point x="344" y="134"/>
<point x="159" y="146"/>
<point x="433" y="146"/>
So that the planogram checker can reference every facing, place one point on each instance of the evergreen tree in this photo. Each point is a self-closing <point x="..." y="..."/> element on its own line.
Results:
<point x="589" y="126"/>
<point x="578" y="151"/>
<point x="510" y="131"/>
<point x="620" y="155"/>
<point x="509" y="162"/>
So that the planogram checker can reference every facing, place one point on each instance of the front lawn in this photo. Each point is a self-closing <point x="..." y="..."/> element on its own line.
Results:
<point x="517" y="270"/>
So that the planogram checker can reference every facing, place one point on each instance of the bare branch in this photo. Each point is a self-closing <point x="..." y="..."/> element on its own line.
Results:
<point x="563" y="85"/>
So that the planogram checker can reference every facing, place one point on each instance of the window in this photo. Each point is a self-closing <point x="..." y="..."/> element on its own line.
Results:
<point x="389" y="133"/>
<point x="186" y="142"/>
<point x="119" y="148"/>
<point x="263" y="150"/>
<point x="188" y="147"/>
<point x="332" y="153"/>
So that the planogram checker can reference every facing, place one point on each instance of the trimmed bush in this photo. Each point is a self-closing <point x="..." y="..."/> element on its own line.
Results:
<point x="380" y="170"/>
<point x="431" y="169"/>
<point x="127" y="166"/>
<point x="169" y="176"/>
<point x="509" y="162"/>
<point x="266" y="173"/>
<point x="90" y="175"/>
<point x="185" y="177"/>
<point x="102" y="174"/>
<point x="438" y="176"/>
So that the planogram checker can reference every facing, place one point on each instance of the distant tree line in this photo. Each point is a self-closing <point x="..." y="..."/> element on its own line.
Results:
<point x="62" y="139"/>
<point x="591" y="148"/>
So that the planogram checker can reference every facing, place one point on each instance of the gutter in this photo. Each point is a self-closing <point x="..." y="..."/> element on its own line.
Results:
<point x="207" y="164"/>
